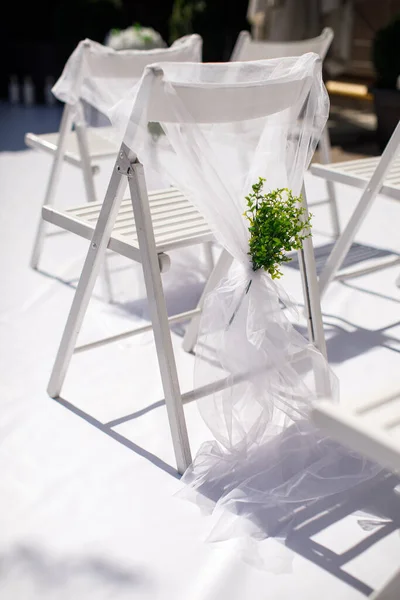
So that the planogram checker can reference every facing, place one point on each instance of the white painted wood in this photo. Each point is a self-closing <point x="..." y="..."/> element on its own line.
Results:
<point x="248" y="49"/>
<point x="159" y="317"/>
<point x="362" y="432"/>
<point x="310" y="288"/>
<point x="325" y="152"/>
<point x="85" y="144"/>
<point x="84" y="151"/>
<point x="357" y="173"/>
<point x="373" y="187"/>
<point x="99" y="146"/>
<point x="176" y="223"/>
<point x="94" y="258"/>
<point x="65" y="127"/>
<point x="151" y="230"/>
<point x="237" y="52"/>
<point x="372" y="430"/>
<point x="226" y="103"/>
<point x="185" y="316"/>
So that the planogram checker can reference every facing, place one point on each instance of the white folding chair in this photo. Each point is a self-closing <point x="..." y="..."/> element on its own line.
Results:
<point x="147" y="226"/>
<point x="371" y="430"/>
<point x="89" y="67"/>
<point x="248" y="49"/>
<point x="379" y="175"/>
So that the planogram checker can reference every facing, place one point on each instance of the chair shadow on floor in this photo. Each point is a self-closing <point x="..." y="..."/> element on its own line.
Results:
<point x="264" y="491"/>
<point x="346" y="340"/>
<point x="377" y="498"/>
<point x="359" y="254"/>
<point x="296" y="521"/>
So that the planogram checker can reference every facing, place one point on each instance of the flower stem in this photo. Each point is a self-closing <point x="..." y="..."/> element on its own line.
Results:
<point x="242" y="297"/>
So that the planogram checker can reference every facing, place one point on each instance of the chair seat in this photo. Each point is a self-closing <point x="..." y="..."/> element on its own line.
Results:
<point x="176" y="223"/>
<point x="99" y="141"/>
<point x="372" y="429"/>
<point x="358" y="172"/>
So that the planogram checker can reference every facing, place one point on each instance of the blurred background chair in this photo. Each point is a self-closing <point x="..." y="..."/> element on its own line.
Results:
<point x="93" y="77"/>
<point x="248" y="49"/>
<point x="378" y="175"/>
<point x="157" y="223"/>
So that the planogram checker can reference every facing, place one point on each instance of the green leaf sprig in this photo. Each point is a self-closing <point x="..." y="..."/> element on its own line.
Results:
<point x="277" y="225"/>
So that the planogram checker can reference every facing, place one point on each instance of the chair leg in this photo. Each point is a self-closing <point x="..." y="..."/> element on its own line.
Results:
<point x="391" y="591"/>
<point x="220" y="270"/>
<point x="92" y="265"/>
<point x="88" y="180"/>
<point x="346" y="239"/>
<point x="159" y="318"/>
<point x="311" y="292"/>
<point x="83" y="145"/>
<point x="313" y="312"/>
<point x="326" y="159"/>
<point x="65" y="128"/>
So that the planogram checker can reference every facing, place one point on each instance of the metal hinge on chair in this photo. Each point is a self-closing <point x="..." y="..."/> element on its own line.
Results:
<point x="126" y="158"/>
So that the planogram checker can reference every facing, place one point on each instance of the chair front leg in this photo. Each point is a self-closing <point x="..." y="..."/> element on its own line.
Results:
<point x="94" y="258"/>
<point x="159" y="318"/>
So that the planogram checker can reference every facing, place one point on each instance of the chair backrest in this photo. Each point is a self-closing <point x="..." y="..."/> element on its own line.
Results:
<point x="101" y="76"/>
<point x="248" y="49"/>
<point x="107" y="63"/>
<point x="215" y="93"/>
<point x="224" y="125"/>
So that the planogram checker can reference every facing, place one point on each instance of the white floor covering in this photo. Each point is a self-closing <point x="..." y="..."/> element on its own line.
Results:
<point x="87" y="496"/>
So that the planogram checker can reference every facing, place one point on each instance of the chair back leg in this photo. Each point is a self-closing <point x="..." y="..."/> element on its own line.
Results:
<point x="159" y="317"/>
<point x="313" y="313"/>
<point x="91" y="267"/>
<point x="83" y="145"/>
<point x="90" y="190"/>
<point x="326" y="159"/>
<point x="65" y="128"/>
<point x="308" y="271"/>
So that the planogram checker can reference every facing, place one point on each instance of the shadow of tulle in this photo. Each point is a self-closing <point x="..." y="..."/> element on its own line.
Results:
<point x="292" y="487"/>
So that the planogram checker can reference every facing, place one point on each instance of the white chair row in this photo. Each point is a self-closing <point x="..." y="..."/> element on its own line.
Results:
<point x="83" y="146"/>
<point x="146" y="227"/>
<point x="89" y="78"/>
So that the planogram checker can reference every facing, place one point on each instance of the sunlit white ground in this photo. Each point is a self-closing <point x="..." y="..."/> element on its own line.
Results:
<point x="89" y="510"/>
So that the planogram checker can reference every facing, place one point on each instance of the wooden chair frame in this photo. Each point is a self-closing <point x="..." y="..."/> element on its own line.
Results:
<point x="375" y="185"/>
<point x="129" y="171"/>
